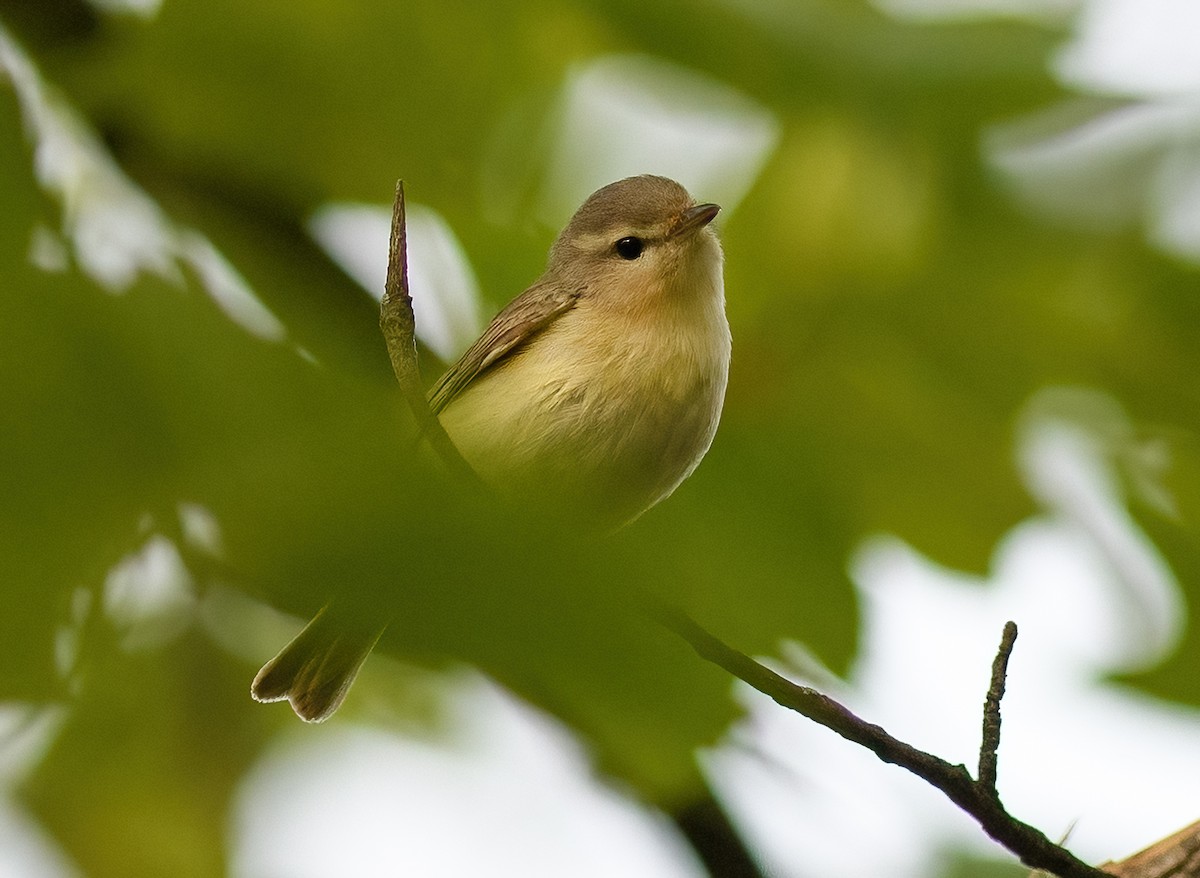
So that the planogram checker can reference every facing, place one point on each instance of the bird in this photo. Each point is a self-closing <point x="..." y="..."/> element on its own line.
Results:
<point x="593" y="394"/>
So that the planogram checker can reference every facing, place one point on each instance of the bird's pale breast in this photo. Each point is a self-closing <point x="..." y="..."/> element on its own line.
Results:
<point x="604" y="414"/>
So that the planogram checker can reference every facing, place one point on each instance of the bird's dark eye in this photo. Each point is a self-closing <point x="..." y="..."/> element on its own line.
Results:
<point x="629" y="248"/>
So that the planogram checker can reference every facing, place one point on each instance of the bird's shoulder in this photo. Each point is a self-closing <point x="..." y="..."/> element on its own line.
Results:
<point x="519" y="321"/>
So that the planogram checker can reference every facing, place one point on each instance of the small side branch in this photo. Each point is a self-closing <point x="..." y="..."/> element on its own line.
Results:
<point x="398" y="324"/>
<point x="990" y="745"/>
<point x="980" y="801"/>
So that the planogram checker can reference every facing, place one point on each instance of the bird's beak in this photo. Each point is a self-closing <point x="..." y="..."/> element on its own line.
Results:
<point x="693" y="219"/>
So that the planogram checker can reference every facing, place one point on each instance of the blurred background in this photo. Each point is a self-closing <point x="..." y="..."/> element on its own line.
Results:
<point x="962" y="244"/>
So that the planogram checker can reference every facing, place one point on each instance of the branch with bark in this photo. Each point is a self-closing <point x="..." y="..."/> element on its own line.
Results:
<point x="977" y="797"/>
<point x="399" y="325"/>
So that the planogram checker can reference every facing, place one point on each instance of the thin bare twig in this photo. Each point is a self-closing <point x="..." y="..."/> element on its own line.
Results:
<point x="398" y="324"/>
<point x="1032" y="847"/>
<point x="990" y="745"/>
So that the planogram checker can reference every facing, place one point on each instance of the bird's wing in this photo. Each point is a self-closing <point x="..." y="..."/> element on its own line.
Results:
<point x="522" y="319"/>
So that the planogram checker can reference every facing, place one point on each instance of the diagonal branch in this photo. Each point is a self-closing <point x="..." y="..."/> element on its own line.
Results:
<point x="1032" y="847"/>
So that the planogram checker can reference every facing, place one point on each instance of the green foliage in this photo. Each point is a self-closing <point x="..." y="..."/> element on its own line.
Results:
<point x="892" y="312"/>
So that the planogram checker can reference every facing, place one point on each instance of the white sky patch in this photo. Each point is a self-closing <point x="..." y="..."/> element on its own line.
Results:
<point x="511" y="794"/>
<point x="1092" y="597"/>
<point x="149" y="595"/>
<point x="116" y="231"/>
<point x="140" y="8"/>
<point x="445" y="294"/>
<point x="26" y="733"/>
<point x="1174" y="199"/>
<point x="1072" y="449"/>
<point x="1047" y="11"/>
<point x="201" y="529"/>
<point x="1138" y="162"/>
<point x="1101" y="167"/>
<point x="28" y="850"/>
<point x="228" y="288"/>
<point x="1136" y="48"/>
<point x="1112" y="166"/>
<point x="622" y="115"/>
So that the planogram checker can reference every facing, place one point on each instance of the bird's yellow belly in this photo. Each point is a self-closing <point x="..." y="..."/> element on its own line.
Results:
<point x="603" y="440"/>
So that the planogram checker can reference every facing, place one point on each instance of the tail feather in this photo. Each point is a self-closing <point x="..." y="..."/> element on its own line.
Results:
<point x="314" y="672"/>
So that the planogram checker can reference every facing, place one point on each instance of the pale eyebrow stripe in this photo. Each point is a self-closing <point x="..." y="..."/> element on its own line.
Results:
<point x="604" y="240"/>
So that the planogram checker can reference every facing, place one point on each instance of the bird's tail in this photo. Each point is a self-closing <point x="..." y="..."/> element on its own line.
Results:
<point x="315" y="670"/>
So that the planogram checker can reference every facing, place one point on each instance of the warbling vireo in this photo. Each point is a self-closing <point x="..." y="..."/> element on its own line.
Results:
<point x="594" y="393"/>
